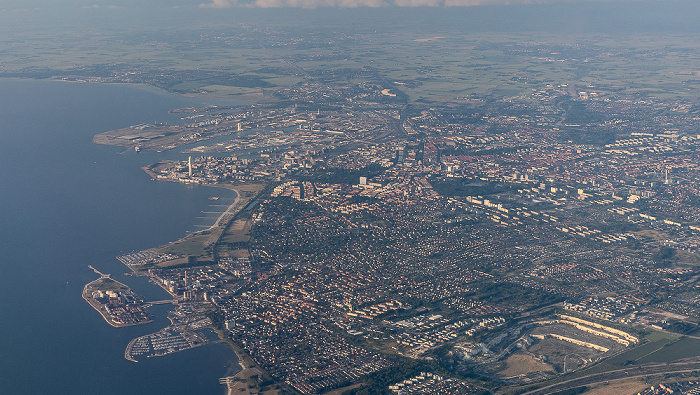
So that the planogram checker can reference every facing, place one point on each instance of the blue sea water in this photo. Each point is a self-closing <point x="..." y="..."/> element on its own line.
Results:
<point x="66" y="203"/>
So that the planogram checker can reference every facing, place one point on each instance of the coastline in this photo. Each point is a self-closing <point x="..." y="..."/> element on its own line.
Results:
<point x="248" y="378"/>
<point x="245" y="361"/>
<point x="198" y="243"/>
<point x="113" y="201"/>
<point x="241" y="381"/>
<point x="156" y="89"/>
<point x="229" y="209"/>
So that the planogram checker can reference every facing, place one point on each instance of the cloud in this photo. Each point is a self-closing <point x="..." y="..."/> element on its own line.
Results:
<point x="99" y="6"/>
<point x="296" y="4"/>
<point x="366" y="3"/>
<point x="473" y="3"/>
<point x="318" y="3"/>
<point x="417" y="3"/>
<point x="219" y="4"/>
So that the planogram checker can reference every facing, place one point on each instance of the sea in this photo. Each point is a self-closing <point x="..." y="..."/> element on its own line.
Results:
<point x="66" y="203"/>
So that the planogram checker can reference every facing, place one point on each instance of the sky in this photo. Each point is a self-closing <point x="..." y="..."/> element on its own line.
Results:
<point x="484" y="15"/>
<point x="7" y="5"/>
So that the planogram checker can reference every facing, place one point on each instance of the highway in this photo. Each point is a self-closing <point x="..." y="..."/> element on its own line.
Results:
<point x="619" y="374"/>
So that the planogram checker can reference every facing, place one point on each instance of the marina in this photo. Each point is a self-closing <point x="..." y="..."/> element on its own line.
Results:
<point x="163" y="342"/>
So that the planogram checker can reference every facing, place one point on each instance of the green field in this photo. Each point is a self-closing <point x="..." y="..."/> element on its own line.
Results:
<point x="660" y="347"/>
<point x="441" y="68"/>
<point x="684" y="348"/>
<point x="189" y="246"/>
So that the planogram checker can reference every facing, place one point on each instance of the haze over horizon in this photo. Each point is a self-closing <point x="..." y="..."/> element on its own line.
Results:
<point x="569" y="16"/>
<point x="13" y="5"/>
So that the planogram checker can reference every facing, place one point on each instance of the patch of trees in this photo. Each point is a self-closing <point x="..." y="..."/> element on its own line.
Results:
<point x="378" y="382"/>
<point x="516" y="295"/>
<point x="343" y="176"/>
<point x="466" y="187"/>
<point x="578" y="113"/>
<point x="615" y="226"/>
<point x="685" y="328"/>
<point x="592" y="136"/>
<point x="664" y="256"/>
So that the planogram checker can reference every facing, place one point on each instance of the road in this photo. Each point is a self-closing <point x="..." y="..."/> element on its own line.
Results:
<point x="620" y="374"/>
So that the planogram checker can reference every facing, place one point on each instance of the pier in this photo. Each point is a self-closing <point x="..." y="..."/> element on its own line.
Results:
<point x="159" y="302"/>
<point x="102" y="275"/>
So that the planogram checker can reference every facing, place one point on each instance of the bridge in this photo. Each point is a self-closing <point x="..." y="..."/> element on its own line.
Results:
<point x="159" y="302"/>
